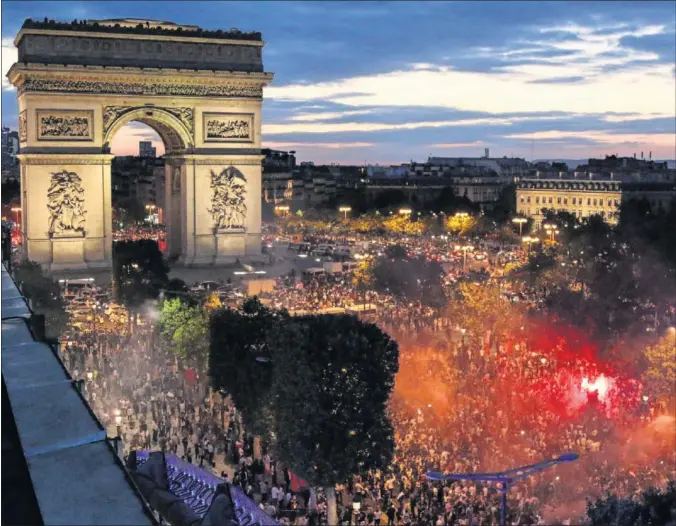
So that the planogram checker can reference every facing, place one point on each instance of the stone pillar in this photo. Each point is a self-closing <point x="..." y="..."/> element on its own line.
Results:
<point x="208" y="189"/>
<point x="67" y="215"/>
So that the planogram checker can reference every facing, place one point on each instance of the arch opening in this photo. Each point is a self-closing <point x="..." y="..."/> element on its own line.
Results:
<point x="176" y="134"/>
<point x="137" y="180"/>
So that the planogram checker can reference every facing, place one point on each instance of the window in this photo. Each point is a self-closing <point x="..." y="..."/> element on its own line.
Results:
<point x="594" y="202"/>
<point x="610" y="202"/>
<point x="537" y="200"/>
<point x="565" y="200"/>
<point x="588" y="201"/>
<point x="528" y="200"/>
<point x="523" y="199"/>
<point x="574" y="199"/>
<point x="617" y="203"/>
<point x="558" y="200"/>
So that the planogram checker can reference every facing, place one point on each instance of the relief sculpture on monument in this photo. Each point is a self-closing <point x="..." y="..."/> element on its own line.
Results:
<point x="228" y="206"/>
<point x="65" y="201"/>
<point x="64" y="125"/>
<point x="228" y="128"/>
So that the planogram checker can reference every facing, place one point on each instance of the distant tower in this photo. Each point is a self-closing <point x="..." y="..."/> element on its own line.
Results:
<point x="486" y="153"/>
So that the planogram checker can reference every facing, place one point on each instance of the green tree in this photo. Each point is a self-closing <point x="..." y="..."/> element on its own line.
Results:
<point x="653" y="507"/>
<point x="332" y="383"/>
<point x="139" y="273"/>
<point x="11" y="191"/>
<point x="184" y="330"/>
<point x="409" y="279"/>
<point x="241" y="360"/>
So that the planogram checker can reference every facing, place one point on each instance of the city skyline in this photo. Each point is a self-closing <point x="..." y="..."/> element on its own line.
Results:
<point x="390" y="82"/>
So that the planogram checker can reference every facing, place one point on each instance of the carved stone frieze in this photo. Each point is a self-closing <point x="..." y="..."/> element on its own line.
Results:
<point x="228" y="201"/>
<point x="112" y="113"/>
<point x="65" y="201"/>
<point x="23" y="126"/>
<point x="228" y="127"/>
<point x="29" y="159"/>
<point x="139" y="88"/>
<point x="211" y="162"/>
<point x="65" y="125"/>
<point x="185" y="115"/>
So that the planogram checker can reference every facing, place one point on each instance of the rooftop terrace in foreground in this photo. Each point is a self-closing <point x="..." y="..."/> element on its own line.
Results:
<point x="58" y="465"/>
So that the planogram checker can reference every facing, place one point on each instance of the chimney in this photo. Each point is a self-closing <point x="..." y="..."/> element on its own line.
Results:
<point x="641" y="155"/>
<point x="650" y="155"/>
<point x="486" y="153"/>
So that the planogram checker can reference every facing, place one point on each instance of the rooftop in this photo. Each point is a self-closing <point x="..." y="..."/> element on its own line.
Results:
<point x="62" y="468"/>
<point x="140" y="27"/>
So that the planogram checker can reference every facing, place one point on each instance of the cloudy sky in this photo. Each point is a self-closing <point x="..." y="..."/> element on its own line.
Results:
<point x="389" y="82"/>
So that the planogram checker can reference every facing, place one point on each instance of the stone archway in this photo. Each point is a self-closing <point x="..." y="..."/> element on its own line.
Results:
<point x="79" y="83"/>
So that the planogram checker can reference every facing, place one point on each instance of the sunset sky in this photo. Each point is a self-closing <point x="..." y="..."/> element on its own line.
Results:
<point x="385" y="83"/>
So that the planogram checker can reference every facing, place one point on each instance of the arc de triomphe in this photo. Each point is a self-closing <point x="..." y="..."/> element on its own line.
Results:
<point x="79" y="83"/>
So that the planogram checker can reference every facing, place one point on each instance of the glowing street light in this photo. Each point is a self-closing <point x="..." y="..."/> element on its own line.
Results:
<point x="505" y="478"/>
<point x="17" y="211"/>
<point x="405" y="211"/>
<point x="345" y="210"/>
<point x="529" y="240"/>
<point x="282" y="209"/>
<point x="465" y="249"/>
<point x="520" y="221"/>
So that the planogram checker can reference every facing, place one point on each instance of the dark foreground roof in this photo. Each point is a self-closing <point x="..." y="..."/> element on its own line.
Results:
<point x="60" y="468"/>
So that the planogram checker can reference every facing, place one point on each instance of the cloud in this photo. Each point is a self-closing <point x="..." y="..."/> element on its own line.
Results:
<point x="602" y="137"/>
<point x="637" y="117"/>
<point x="339" y="127"/>
<point x="329" y="145"/>
<point x="327" y="116"/>
<point x="457" y="144"/>
<point x="535" y="78"/>
<point x="9" y="56"/>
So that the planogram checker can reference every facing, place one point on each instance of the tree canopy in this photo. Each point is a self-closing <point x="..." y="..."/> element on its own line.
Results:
<point x="139" y="272"/>
<point x="183" y="329"/>
<point x="654" y="507"/>
<point x="44" y="295"/>
<point x="332" y="385"/>
<point x="240" y="356"/>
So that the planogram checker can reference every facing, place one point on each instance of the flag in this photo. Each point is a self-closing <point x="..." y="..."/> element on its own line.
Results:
<point x="297" y="483"/>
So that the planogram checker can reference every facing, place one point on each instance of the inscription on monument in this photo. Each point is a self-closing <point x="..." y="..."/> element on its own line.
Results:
<point x="228" y="206"/>
<point x="65" y="201"/>
<point x="224" y="127"/>
<point x="23" y="127"/>
<point x="65" y="125"/>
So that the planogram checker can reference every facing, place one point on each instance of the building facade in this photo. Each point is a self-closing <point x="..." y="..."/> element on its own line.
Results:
<point x="586" y="197"/>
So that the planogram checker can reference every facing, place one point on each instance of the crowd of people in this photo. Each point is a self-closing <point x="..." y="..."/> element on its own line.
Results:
<point x="462" y="404"/>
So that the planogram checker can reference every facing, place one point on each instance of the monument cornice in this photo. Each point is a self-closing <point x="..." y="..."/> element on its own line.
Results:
<point x="130" y="73"/>
<point x="213" y="160"/>
<point x="64" y="159"/>
<point x="131" y="36"/>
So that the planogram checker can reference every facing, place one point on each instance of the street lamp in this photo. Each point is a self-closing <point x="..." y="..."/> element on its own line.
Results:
<point x="345" y="210"/>
<point x="528" y="240"/>
<point x="464" y="249"/>
<point x="16" y="210"/>
<point x="520" y="221"/>
<point x="505" y="478"/>
<point x="283" y="209"/>
<point x="551" y="230"/>
<point x="405" y="211"/>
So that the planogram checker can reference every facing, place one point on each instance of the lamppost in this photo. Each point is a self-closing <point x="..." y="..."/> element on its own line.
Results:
<point x="551" y="230"/>
<point x="505" y="478"/>
<point x="520" y="221"/>
<point x="118" y="422"/>
<point x="405" y="211"/>
<point x="345" y="210"/>
<point x="282" y="209"/>
<point x="529" y="240"/>
<point x="464" y="249"/>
